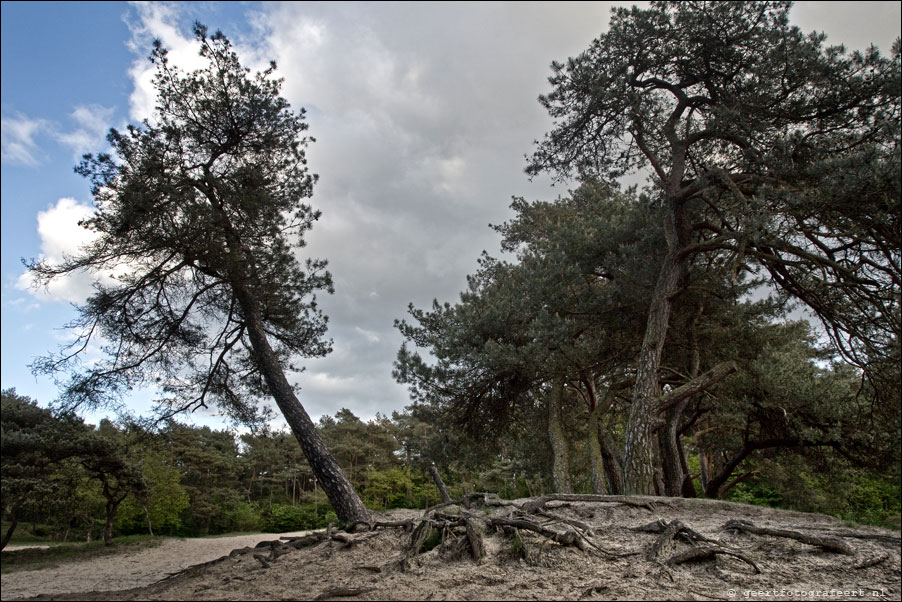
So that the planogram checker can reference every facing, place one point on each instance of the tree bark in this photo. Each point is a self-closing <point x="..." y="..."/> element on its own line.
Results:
<point x="440" y="484"/>
<point x="560" y="469"/>
<point x="671" y="467"/>
<point x="596" y="458"/>
<point x="112" y="507"/>
<point x="344" y="499"/>
<point x="639" y="451"/>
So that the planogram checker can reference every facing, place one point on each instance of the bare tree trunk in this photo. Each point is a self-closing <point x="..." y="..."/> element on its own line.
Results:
<point x="560" y="469"/>
<point x="671" y="467"/>
<point x="111" y="508"/>
<point x="704" y="464"/>
<point x="639" y="451"/>
<point x="147" y="517"/>
<point x="344" y="499"/>
<point x="440" y="484"/>
<point x="688" y="488"/>
<point x="596" y="458"/>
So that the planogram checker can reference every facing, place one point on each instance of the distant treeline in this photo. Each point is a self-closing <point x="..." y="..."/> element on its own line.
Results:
<point x="67" y="480"/>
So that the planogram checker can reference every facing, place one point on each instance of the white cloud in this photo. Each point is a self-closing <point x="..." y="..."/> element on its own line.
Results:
<point x="156" y="21"/>
<point x="422" y="115"/>
<point x="94" y="122"/>
<point x="61" y="236"/>
<point x="17" y="138"/>
<point x="324" y="382"/>
<point x="370" y="335"/>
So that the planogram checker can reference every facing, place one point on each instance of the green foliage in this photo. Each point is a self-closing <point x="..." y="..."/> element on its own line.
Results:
<point x="506" y="478"/>
<point x="388" y="489"/>
<point x="873" y="501"/>
<point x="361" y="448"/>
<point x="516" y="549"/>
<point x="160" y="505"/>
<point x="243" y="516"/>
<point x="280" y="518"/>
<point x="758" y="494"/>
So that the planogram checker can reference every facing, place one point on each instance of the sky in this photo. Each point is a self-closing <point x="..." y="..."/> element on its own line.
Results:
<point x="422" y="114"/>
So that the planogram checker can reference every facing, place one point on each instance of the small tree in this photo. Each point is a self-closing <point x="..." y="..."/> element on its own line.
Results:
<point x="33" y="442"/>
<point x="107" y="458"/>
<point x="198" y="218"/>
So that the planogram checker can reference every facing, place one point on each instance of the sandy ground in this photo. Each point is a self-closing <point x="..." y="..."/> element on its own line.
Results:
<point x="125" y="571"/>
<point x="621" y="562"/>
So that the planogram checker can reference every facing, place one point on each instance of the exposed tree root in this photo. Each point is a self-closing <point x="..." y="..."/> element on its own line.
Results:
<point x="303" y="541"/>
<point x="670" y="531"/>
<point x="586" y="528"/>
<point x="565" y="538"/>
<point x="276" y="549"/>
<point x="890" y="539"/>
<point x="349" y="540"/>
<point x="407" y="525"/>
<point x="871" y="562"/>
<point x="461" y="533"/>
<point x="678" y="530"/>
<point x="536" y="504"/>
<point x="343" y="592"/>
<point x="831" y="544"/>
<point x="456" y="531"/>
<point x="474" y="538"/>
<point x="709" y="553"/>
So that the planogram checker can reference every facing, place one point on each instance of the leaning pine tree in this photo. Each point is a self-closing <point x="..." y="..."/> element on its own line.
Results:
<point x="198" y="217"/>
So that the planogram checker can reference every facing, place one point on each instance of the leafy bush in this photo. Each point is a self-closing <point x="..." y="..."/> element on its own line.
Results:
<point x="756" y="493"/>
<point x="282" y="517"/>
<point x="873" y="501"/>
<point x="244" y="517"/>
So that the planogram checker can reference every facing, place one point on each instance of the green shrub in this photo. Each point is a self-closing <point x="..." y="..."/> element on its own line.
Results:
<point x="873" y="501"/>
<point x="283" y="517"/>
<point x="758" y="494"/>
<point x="244" y="517"/>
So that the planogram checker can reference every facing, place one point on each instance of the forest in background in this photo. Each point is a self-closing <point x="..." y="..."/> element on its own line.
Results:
<point x="63" y="478"/>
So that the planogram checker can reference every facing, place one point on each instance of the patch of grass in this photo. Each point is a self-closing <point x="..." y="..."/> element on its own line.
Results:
<point x="516" y="548"/>
<point x="432" y="540"/>
<point x="36" y="558"/>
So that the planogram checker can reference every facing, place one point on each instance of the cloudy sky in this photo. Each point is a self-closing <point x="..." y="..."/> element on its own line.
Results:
<point x="422" y="114"/>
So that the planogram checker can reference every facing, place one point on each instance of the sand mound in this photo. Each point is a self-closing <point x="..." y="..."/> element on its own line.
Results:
<point x="605" y="549"/>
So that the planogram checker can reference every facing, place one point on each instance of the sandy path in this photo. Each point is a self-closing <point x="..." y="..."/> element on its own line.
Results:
<point x="126" y="570"/>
